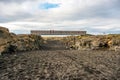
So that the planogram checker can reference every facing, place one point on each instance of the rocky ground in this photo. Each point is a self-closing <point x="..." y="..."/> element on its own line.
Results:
<point x="61" y="65"/>
<point x="31" y="57"/>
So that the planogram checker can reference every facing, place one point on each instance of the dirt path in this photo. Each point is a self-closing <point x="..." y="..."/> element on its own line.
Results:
<point x="54" y="45"/>
<point x="61" y="65"/>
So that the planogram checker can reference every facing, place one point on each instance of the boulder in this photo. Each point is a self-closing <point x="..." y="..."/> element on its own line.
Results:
<point x="4" y="29"/>
<point x="5" y="36"/>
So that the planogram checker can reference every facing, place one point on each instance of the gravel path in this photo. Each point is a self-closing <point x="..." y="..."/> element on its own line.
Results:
<point x="61" y="65"/>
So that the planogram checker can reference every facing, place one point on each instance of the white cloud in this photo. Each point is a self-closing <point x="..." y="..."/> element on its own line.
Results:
<point x="93" y="16"/>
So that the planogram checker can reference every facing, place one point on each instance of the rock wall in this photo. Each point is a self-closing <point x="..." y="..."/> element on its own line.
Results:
<point x="10" y="42"/>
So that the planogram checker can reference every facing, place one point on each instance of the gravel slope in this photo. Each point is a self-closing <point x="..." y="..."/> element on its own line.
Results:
<point x="61" y="65"/>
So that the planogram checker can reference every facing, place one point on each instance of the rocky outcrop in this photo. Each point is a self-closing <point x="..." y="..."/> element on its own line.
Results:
<point x="5" y="38"/>
<point x="10" y="42"/>
<point x="93" y="42"/>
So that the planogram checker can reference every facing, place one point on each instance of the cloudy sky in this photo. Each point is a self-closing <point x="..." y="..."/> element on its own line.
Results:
<point x="94" y="16"/>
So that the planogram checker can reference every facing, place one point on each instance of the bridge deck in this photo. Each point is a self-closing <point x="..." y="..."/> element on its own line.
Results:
<point x="55" y="32"/>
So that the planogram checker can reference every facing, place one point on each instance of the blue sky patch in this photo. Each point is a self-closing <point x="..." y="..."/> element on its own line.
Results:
<point x="48" y="5"/>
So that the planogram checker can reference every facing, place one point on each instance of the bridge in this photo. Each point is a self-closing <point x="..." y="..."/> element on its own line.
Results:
<point x="56" y="32"/>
